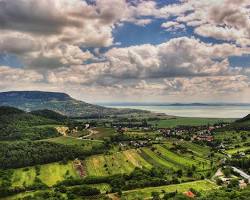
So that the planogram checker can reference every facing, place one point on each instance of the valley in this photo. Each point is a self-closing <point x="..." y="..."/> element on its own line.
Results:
<point x="44" y="154"/>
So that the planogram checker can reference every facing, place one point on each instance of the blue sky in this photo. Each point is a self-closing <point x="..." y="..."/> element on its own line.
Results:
<point x="165" y="50"/>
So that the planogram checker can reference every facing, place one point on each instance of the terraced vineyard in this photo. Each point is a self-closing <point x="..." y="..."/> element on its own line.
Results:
<point x="117" y="163"/>
<point x="157" y="159"/>
<point x="161" y="155"/>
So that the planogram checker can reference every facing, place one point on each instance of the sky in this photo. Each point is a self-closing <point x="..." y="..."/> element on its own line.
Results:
<point x="128" y="50"/>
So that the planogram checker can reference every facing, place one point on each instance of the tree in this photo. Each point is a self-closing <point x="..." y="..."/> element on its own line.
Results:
<point x="155" y="195"/>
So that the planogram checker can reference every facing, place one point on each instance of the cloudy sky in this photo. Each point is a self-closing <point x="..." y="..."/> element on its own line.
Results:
<point x="128" y="50"/>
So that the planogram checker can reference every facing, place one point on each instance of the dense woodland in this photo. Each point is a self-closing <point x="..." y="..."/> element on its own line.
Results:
<point x="19" y="125"/>
<point x="21" y="154"/>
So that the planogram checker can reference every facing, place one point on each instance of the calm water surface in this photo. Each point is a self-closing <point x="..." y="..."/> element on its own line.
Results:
<point x="197" y="111"/>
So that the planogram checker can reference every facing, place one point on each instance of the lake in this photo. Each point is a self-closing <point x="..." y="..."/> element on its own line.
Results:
<point x="195" y="111"/>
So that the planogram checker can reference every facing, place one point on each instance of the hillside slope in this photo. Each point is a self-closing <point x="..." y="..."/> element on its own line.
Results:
<point x="58" y="102"/>
<point x="16" y="124"/>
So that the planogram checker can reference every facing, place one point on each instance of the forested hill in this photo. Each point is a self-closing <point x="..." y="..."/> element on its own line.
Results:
<point x="59" y="102"/>
<point x="244" y="119"/>
<point x="16" y="124"/>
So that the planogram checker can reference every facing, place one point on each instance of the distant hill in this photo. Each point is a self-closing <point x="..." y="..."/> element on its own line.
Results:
<point x="242" y="124"/>
<point x="16" y="124"/>
<point x="58" y="102"/>
<point x="244" y="119"/>
<point x="49" y="114"/>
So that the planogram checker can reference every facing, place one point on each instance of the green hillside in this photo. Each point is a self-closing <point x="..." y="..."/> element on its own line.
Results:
<point x="16" y="124"/>
<point x="59" y="102"/>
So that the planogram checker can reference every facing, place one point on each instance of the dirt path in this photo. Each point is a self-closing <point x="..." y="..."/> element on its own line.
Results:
<point x="79" y="167"/>
<point x="113" y="196"/>
<point x="62" y="130"/>
<point x="92" y="132"/>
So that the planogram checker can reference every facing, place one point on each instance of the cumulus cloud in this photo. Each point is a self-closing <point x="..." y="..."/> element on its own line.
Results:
<point x="226" y="20"/>
<point x="178" y="57"/>
<point x="49" y="36"/>
<point x="40" y="32"/>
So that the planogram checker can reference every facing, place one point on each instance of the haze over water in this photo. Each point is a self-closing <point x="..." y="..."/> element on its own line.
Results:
<point x="227" y="111"/>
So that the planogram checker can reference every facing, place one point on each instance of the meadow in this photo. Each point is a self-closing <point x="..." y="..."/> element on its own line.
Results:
<point x="117" y="163"/>
<point x="86" y="144"/>
<point x="187" y="121"/>
<point x="145" y="193"/>
<point x="49" y="174"/>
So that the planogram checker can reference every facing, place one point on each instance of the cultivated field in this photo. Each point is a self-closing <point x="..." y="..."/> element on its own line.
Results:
<point x="117" y="163"/>
<point x="145" y="193"/>
<point x="84" y="143"/>
<point x="185" y="121"/>
<point x="49" y="174"/>
<point x="101" y="133"/>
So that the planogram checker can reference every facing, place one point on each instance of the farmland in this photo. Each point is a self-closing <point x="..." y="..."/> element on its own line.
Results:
<point x="117" y="163"/>
<point x="185" y="121"/>
<point x="127" y="159"/>
<point x="146" y="192"/>
<point x="49" y="174"/>
<point x="84" y="143"/>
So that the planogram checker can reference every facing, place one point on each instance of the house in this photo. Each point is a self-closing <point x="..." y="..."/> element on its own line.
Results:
<point x="242" y="184"/>
<point x="189" y="194"/>
<point x="207" y="138"/>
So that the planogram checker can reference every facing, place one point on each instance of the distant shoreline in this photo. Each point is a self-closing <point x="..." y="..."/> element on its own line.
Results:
<point x="230" y="111"/>
<point x="171" y="104"/>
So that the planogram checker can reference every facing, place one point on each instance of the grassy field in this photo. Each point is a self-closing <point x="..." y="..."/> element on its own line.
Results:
<point x="50" y="174"/>
<point x="86" y="144"/>
<point x="102" y="133"/>
<point x="23" y="177"/>
<point x="184" y="121"/>
<point x="117" y="163"/>
<point x="202" y="151"/>
<point x="133" y="156"/>
<point x="236" y="150"/>
<point x="156" y="159"/>
<point x="145" y="193"/>
<point x="184" y="160"/>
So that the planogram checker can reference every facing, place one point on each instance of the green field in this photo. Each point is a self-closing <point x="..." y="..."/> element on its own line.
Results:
<point x="183" y="160"/>
<point x="202" y="151"/>
<point x="102" y="133"/>
<point x="145" y="193"/>
<point x="23" y="177"/>
<point x="185" y="121"/>
<point x="85" y="143"/>
<point x="117" y="163"/>
<point x="156" y="159"/>
<point x="236" y="150"/>
<point x="50" y="174"/>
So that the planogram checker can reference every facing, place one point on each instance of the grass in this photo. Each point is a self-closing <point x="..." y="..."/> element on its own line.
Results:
<point x="86" y="144"/>
<point x="50" y="174"/>
<point x="202" y="151"/>
<point x="116" y="163"/>
<point x="157" y="160"/>
<point x="102" y="133"/>
<point x="133" y="156"/>
<point x="236" y="150"/>
<point x="186" y="121"/>
<point x="23" y="177"/>
<point x="184" y="160"/>
<point x="103" y="187"/>
<point x="145" y="193"/>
